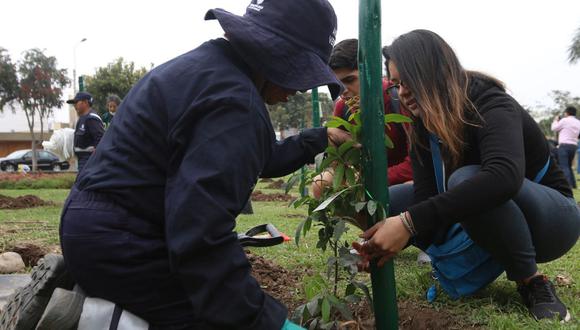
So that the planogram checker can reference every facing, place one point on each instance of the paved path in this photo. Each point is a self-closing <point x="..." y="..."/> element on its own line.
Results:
<point x="9" y="284"/>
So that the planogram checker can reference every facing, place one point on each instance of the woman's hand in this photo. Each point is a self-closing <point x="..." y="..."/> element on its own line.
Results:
<point x="383" y="240"/>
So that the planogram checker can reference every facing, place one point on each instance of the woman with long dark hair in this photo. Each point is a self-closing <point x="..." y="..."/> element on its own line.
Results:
<point x="496" y="178"/>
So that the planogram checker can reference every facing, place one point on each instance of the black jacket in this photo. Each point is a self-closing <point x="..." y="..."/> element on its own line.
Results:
<point x="188" y="145"/>
<point x="88" y="131"/>
<point x="509" y="146"/>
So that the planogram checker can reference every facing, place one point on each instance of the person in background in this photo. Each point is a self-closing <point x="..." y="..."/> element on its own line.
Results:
<point x="497" y="179"/>
<point x="89" y="128"/>
<point x="568" y="129"/>
<point x="344" y="63"/>
<point x="112" y="103"/>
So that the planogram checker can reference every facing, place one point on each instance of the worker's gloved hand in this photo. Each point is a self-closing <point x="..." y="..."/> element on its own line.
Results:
<point x="291" y="326"/>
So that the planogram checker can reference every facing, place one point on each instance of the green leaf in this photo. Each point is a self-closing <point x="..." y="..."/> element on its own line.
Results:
<point x="350" y="289"/>
<point x="359" y="206"/>
<point x="338" y="177"/>
<point x="299" y="231"/>
<point x="365" y="289"/>
<point x="325" y="310"/>
<point x="388" y="142"/>
<point x="350" y="177"/>
<point x="313" y="306"/>
<point x="307" y="225"/>
<point x="352" y="156"/>
<point x="314" y="286"/>
<point x="372" y="207"/>
<point x="327" y="162"/>
<point x="397" y="118"/>
<point x="329" y="200"/>
<point x="345" y="147"/>
<point x="339" y="229"/>
<point x="341" y="306"/>
<point x="292" y="181"/>
<point x="338" y="122"/>
<point x="332" y="151"/>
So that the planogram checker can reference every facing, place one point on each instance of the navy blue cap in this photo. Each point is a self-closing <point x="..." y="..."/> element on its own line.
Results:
<point x="81" y="96"/>
<point x="288" y="41"/>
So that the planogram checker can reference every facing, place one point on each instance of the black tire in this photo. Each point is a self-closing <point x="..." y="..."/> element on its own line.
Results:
<point x="10" y="168"/>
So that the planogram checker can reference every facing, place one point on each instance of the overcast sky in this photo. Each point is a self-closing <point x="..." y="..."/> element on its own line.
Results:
<point x="524" y="43"/>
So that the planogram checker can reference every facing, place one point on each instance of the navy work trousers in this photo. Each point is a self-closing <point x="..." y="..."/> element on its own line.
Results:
<point x="129" y="268"/>
<point x="538" y="225"/>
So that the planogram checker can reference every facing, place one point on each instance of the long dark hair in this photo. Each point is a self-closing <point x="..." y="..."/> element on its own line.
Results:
<point x="430" y="69"/>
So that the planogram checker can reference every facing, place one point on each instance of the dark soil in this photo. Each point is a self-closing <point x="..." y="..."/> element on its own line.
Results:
<point x="259" y="196"/>
<point x="278" y="184"/>
<point x="278" y="282"/>
<point x="29" y="252"/>
<point x="284" y="285"/>
<point x="21" y="202"/>
<point x="266" y="180"/>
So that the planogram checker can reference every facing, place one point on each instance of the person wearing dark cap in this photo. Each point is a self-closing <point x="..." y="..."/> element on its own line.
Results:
<point x="149" y="222"/>
<point x="89" y="128"/>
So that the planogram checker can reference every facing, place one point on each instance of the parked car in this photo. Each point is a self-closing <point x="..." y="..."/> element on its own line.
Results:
<point x="45" y="160"/>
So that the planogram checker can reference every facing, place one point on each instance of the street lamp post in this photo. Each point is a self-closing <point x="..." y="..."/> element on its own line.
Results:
<point x="75" y="65"/>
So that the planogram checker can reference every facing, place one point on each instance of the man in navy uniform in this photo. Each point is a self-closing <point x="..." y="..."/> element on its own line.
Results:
<point x="149" y="223"/>
<point x="89" y="128"/>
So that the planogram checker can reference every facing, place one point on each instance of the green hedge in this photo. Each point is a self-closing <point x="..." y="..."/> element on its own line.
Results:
<point x="38" y="181"/>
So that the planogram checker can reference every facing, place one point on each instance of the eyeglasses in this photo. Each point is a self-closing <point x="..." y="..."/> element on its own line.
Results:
<point x="394" y="89"/>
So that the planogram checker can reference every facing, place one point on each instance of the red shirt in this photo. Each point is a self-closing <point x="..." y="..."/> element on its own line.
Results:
<point x="399" y="162"/>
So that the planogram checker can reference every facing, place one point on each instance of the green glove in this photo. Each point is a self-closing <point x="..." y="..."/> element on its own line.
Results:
<point x="291" y="326"/>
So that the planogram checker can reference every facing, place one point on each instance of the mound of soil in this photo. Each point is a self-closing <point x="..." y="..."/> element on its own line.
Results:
<point x="259" y="196"/>
<point x="278" y="184"/>
<point x="21" y="202"/>
<point x="29" y="252"/>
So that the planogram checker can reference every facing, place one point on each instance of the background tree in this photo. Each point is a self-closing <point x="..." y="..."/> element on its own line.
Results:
<point x="297" y="109"/>
<point x="40" y="90"/>
<point x="116" y="78"/>
<point x="8" y="79"/>
<point x="562" y="99"/>
<point x="574" y="50"/>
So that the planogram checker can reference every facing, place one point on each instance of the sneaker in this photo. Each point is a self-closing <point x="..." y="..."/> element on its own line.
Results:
<point x="26" y="306"/>
<point x="63" y="311"/>
<point x="539" y="295"/>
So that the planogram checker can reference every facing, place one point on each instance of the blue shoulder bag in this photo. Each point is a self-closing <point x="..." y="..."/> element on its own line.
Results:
<point x="460" y="265"/>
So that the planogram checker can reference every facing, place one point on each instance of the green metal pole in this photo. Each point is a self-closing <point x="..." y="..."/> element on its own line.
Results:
<point x="374" y="155"/>
<point x="303" y="190"/>
<point x="315" y="108"/>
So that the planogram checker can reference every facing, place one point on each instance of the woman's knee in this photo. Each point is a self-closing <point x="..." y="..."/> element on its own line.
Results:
<point x="461" y="174"/>
<point x="400" y="198"/>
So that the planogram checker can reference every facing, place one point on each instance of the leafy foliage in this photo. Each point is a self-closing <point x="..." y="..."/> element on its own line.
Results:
<point x="40" y="85"/>
<point x="574" y="50"/>
<point x="343" y="202"/>
<point x="118" y="77"/>
<point x="292" y="114"/>
<point x="8" y="79"/>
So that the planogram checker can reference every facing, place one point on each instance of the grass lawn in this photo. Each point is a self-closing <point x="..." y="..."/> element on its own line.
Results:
<point x="497" y="307"/>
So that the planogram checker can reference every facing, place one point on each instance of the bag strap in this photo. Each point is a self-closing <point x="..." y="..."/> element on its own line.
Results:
<point x="438" y="165"/>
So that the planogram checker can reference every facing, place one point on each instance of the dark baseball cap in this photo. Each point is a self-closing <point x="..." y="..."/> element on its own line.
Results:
<point x="289" y="42"/>
<point x="81" y="96"/>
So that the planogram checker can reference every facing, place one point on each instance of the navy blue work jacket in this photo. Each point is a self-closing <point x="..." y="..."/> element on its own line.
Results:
<point x="188" y="145"/>
<point x="88" y="131"/>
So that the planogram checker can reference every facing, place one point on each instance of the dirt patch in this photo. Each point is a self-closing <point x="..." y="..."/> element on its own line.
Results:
<point x="280" y="283"/>
<point x="259" y="196"/>
<point x="29" y="252"/>
<point x="266" y="180"/>
<point x="21" y="202"/>
<point x="278" y="184"/>
<point x="413" y="315"/>
<point x="284" y="285"/>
